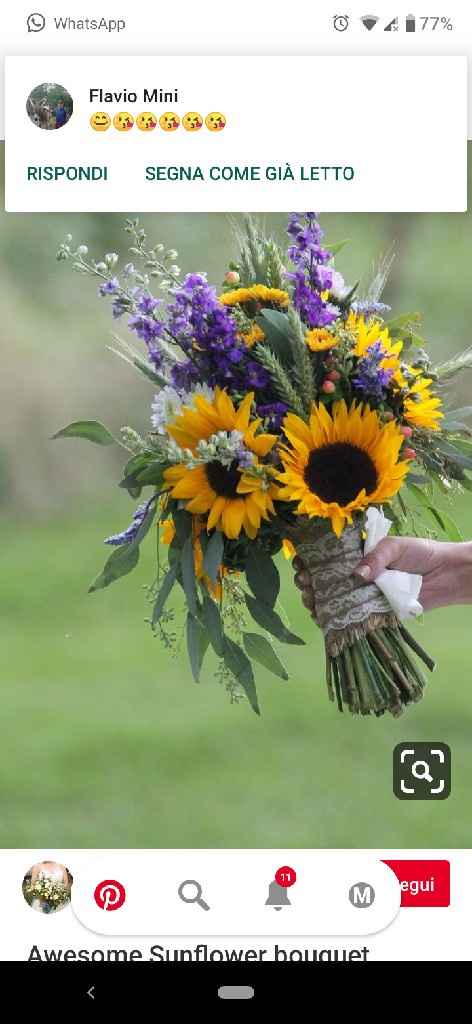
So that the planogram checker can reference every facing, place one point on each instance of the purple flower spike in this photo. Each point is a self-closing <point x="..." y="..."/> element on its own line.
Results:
<point x="126" y="536"/>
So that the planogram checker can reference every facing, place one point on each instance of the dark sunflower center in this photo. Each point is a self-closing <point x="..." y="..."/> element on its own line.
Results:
<point x="223" y="479"/>
<point x="337" y="472"/>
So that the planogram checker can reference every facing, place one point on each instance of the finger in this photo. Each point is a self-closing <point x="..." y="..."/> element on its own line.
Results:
<point x="298" y="562"/>
<point x="308" y="599"/>
<point x="303" y="580"/>
<point x="386" y="552"/>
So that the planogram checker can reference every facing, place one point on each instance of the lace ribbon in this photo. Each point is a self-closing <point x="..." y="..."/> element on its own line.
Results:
<point x="346" y="607"/>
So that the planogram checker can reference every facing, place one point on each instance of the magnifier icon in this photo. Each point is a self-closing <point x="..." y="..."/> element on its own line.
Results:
<point x="190" y="891"/>
<point x="420" y="770"/>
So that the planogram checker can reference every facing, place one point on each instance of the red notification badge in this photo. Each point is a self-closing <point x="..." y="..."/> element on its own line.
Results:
<point x="423" y="883"/>
<point x="285" y="877"/>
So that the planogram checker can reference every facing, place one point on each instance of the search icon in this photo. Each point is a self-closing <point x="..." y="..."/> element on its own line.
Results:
<point x="424" y="773"/>
<point x="190" y="891"/>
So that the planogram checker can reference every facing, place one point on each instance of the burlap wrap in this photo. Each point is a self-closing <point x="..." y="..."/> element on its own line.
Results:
<point x="346" y="607"/>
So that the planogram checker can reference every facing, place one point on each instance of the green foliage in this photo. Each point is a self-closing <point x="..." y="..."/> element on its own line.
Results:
<point x="238" y="663"/>
<point x="280" y="378"/>
<point x="164" y="592"/>
<point x="268" y="619"/>
<point x="439" y="516"/>
<point x="140" y="471"/>
<point x="277" y="331"/>
<point x="89" y="430"/>
<point x="213" y="555"/>
<point x="259" y="649"/>
<point x="262" y="575"/>
<point x="197" y="643"/>
<point x="188" y="576"/>
<point x="211" y="619"/>
<point x="302" y="360"/>
<point x="124" y="558"/>
<point x="401" y="328"/>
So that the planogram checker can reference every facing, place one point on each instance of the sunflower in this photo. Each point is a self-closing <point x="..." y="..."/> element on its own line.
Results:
<point x="368" y="334"/>
<point x="253" y="336"/>
<point x="256" y="293"/>
<point x="234" y="498"/>
<point x="320" y="340"/>
<point x="421" y="407"/>
<point x="341" y="462"/>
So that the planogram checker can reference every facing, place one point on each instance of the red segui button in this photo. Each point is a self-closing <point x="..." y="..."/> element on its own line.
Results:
<point x="423" y="883"/>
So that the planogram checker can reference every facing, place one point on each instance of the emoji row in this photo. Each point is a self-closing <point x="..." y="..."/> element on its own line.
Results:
<point x="147" y="121"/>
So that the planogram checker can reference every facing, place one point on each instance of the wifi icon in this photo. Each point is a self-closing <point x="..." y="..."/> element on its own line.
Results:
<point x="369" y="21"/>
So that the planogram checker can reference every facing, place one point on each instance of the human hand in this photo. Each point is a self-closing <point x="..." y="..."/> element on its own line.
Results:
<point x="446" y="570"/>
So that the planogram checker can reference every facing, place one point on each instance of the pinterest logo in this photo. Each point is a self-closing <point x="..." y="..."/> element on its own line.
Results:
<point x="109" y="895"/>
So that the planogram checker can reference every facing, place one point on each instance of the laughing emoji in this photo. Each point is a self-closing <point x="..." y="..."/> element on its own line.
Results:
<point x="169" y="121"/>
<point x="100" y="121"/>
<point x="192" y="121"/>
<point x="215" y="121"/>
<point x="146" y="122"/>
<point x="123" y="121"/>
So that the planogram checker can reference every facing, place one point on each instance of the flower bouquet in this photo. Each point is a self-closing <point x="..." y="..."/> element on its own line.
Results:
<point x="288" y="412"/>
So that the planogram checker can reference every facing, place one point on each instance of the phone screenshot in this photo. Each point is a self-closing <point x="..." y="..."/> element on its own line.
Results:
<point x="235" y="495"/>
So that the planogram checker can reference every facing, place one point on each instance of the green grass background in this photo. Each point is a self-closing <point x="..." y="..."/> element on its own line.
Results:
<point x="106" y="741"/>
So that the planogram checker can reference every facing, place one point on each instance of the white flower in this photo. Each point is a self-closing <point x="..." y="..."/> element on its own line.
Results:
<point x="168" y="403"/>
<point x="338" y="287"/>
<point x="165" y="407"/>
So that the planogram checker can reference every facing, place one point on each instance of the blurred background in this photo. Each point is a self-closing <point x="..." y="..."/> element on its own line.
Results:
<point x="107" y="742"/>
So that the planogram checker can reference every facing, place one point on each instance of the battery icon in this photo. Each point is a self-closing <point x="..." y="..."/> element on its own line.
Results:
<point x="410" y="23"/>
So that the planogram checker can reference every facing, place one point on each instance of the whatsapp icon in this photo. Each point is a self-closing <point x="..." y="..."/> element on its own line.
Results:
<point x="35" y="22"/>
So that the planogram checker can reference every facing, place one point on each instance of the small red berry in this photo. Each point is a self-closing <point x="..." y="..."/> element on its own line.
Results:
<point x="409" y="453"/>
<point x="328" y="387"/>
<point x="388" y="416"/>
<point x="406" y="431"/>
<point x="333" y="375"/>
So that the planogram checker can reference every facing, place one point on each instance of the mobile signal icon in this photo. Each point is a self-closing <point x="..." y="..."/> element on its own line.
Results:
<point x="392" y="26"/>
<point x="369" y="21"/>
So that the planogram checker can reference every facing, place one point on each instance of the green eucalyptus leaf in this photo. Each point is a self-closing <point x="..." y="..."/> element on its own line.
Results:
<point x="89" y="430"/>
<point x="259" y="649"/>
<point x="122" y="561"/>
<point x="404" y="322"/>
<point x="213" y="624"/>
<point x="129" y="481"/>
<point x="183" y="525"/>
<point x="420" y="496"/>
<point x="213" y="555"/>
<point x="124" y="558"/>
<point x="448" y="525"/>
<point x="188" y="576"/>
<point x="276" y="328"/>
<point x="459" y="414"/>
<point x="238" y="663"/>
<point x="164" y="592"/>
<point x="262" y="575"/>
<point x="270" y="621"/>
<point x="197" y="644"/>
<point x="334" y="249"/>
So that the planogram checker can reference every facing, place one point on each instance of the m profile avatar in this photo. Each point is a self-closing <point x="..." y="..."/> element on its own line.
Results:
<point x="47" y="887"/>
<point x="49" y="106"/>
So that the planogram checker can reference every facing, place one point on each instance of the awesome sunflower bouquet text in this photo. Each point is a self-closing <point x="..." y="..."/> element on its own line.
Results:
<point x="288" y="413"/>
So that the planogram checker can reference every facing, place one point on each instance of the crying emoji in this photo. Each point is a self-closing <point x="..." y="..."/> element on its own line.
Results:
<point x="146" y="122"/>
<point x="123" y="121"/>
<point x="192" y="121"/>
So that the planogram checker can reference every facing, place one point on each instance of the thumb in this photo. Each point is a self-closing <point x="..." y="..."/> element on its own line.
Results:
<point x="386" y="552"/>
